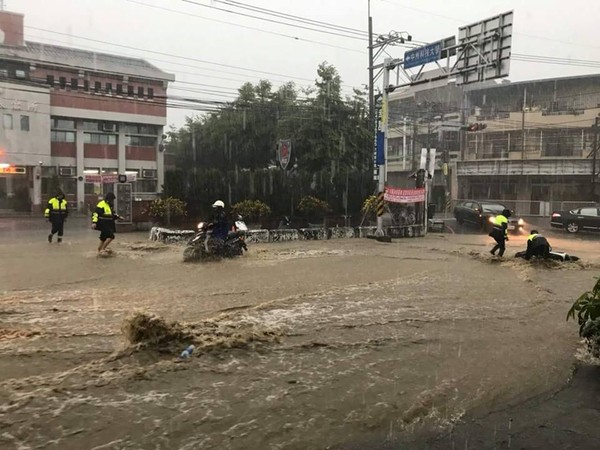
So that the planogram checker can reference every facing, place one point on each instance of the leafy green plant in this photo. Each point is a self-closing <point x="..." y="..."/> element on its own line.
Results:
<point x="168" y="207"/>
<point x="312" y="205"/>
<point x="587" y="309"/>
<point x="251" y="209"/>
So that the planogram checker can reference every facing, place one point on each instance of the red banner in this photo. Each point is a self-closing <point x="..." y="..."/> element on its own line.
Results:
<point x="395" y="195"/>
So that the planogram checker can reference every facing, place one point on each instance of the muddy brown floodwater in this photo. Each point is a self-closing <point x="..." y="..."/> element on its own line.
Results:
<point x="302" y="345"/>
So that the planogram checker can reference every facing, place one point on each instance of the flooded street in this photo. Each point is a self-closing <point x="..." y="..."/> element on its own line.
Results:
<point x="299" y="345"/>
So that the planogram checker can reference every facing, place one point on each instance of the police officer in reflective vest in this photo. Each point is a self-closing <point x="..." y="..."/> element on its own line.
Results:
<point x="500" y="232"/>
<point x="537" y="245"/>
<point x="56" y="213"/>
<point x="103" y="220"/>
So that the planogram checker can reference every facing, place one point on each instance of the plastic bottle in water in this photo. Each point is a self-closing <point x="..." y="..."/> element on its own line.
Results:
<point x="187" y="352"/>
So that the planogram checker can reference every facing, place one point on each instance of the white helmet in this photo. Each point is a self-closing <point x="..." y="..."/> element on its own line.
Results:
<point x="218" y="204"/>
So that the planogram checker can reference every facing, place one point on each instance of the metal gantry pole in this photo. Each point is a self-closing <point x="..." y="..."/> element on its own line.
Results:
<point x="384" y="130"/>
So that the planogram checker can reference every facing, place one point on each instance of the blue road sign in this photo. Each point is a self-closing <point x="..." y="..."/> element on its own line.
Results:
<point x="423" y="55"/>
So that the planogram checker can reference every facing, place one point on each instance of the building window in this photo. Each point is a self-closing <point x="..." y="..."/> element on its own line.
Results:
<point x="141" y="141"/>
<point x="150" y="93"/>
<point x="62" y="136"/>
<point x="24" y="123"/>
<point x="86" y="85"/>
<point x="74" y="84"/>
<point x="148" y="129"/>
<point x="141" y="91"/>
<point x="62" y="82"/>
<point x="8" y="121"/>
<point x="145" y="185"/>
<point x="63" y="124"/>
<point x="90" y="125"/>
<point x="97" y="86"/>
<point x="119" y="89"/>
<point x="101" y="139"/>
<point x="109" y="88"/>
<point x="130" y="91"/>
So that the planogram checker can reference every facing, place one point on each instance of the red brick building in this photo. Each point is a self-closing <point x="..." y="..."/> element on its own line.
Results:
<point x="78" y="119"/>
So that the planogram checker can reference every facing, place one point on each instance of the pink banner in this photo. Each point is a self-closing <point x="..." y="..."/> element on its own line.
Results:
<point x="395" y="195"/>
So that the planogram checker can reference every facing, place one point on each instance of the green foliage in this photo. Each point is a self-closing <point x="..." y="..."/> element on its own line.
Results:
<point x="587" y="309"/>
<point x="312" y="205"/>
<point x="169" y="207"/>
<point x="251" y="209"/>
<point x="231" y="153"/>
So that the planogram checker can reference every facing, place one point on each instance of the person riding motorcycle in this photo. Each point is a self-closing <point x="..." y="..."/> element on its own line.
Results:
<point x="218" y="224"/>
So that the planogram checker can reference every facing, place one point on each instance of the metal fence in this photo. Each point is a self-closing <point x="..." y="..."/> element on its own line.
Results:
<point x="529" y="207"/>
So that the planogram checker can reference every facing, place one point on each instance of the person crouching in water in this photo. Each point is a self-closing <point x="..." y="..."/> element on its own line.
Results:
<point x="103" y="220"/>
<point x="537" y="245"/>
<point x="500" y="232"/>
<point x="56" y="213"/>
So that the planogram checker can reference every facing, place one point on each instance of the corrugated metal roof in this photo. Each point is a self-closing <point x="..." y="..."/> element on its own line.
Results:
<point x="85" y="59"/>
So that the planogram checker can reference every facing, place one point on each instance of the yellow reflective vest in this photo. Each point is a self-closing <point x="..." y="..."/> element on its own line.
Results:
<point x="103" y="212"/>
<point x="501" y="222"/>
<point x="56" y="208"/>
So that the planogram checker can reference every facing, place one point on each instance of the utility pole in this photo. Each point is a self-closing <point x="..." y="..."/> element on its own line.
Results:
<point x="384" y="130"/>
<point x="594" y="156"/>
<point x="371" y="81"/>
<point x="523" y="123"/>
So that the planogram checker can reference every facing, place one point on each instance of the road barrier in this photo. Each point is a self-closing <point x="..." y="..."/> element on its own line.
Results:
<point x="168" y="236"/>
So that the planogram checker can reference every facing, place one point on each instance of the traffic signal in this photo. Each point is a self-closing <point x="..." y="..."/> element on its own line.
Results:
<point x="474" y="127"/>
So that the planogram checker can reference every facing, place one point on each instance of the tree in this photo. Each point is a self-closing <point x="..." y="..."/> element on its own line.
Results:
<point x="231" y="154"/>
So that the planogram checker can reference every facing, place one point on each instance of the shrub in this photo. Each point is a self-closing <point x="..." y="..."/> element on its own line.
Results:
<point x="587" y="308"/>
<point x="251" y="209"/>
<point x="313" y="206"/>
<point x="171" y="206"/>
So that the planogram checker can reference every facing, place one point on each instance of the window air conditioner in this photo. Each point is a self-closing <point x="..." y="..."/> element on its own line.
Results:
<point x="149" y="173"/>
<point x="110" y="127"/>
<point x="66" y="171"/>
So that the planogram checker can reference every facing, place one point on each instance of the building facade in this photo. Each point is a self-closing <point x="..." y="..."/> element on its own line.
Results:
<point x="534" y="150"/>
<point x="77" y="120"/>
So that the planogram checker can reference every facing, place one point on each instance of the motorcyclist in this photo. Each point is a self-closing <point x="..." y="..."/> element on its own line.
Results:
<point x="500" y="232"/>
<point x="219" y="221"/>
<point x="537" y="245"/>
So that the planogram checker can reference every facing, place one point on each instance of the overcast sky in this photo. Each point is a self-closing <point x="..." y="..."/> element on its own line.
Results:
<point x="190" y="40"/>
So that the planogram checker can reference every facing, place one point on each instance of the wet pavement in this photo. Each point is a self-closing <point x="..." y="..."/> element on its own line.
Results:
<point x="300" y="345"/>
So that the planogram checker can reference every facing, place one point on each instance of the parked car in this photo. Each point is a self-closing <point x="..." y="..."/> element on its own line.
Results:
<point x="483" y="214"/>
<point x="576" y="220"/>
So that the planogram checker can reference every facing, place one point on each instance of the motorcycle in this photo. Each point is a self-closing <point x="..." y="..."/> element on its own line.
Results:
<point x="553" y="255"/>
<point x="202" y="247"/>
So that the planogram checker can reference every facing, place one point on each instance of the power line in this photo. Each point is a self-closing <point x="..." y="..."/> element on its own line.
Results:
<point x="294" y="17"/>
<point x="177" y="63"/>
<point x="462" y="21"/>
<point x="164" y="61"/>
<point x="349" y="36"/>
<point x="187" y="58"/>
<point x="295" y="38"/>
